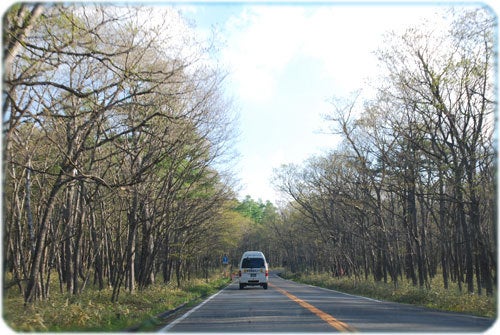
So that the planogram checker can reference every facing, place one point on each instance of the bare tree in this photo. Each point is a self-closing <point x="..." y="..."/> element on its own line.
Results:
<point x="415" y="162"/>
<point x="118" y="132"/>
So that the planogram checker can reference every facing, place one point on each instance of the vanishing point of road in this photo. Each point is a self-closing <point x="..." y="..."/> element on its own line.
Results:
<point x="290" y="307"/>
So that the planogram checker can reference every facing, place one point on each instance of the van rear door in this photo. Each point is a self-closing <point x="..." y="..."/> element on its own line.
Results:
<point x="253" y="272"/>
<point x="253" y="263"/>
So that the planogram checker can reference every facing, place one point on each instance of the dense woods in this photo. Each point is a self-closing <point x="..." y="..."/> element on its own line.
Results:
<point x="117" y="135"/>
<point x="411" y="190"/>
<point x="112" y="131"/>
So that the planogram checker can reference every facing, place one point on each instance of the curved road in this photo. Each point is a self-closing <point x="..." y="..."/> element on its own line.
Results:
<point x="290" y="307"/>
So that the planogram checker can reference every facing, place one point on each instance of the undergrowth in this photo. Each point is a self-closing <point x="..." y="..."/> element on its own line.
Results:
<point x="93" y="310"/>
<point x="434" y="296"/>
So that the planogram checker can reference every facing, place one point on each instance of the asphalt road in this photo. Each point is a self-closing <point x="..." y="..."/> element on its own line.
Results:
<point x="290" y="307"/>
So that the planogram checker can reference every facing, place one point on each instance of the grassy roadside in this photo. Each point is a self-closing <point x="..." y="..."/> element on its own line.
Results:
<point x="435" y="297"/>
<point x="92" y="310"/>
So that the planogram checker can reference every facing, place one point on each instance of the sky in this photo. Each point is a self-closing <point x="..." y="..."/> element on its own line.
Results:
<point x="285" y="61"/>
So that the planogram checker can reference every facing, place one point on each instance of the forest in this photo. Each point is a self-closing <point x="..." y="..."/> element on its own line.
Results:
<point x="411" y="190"/>
<point x="118" y="143"/>
<point x="112" y="133"/>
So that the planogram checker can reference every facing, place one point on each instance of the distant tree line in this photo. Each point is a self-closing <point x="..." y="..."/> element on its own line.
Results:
<point x="259" y="230"/>
<point x="114" y="123"/>
<point x="411" y="190"/>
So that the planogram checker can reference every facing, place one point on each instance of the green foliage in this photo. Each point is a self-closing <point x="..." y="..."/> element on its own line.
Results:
<point x="93" y="311"/>
<point x="404" y="292"/>
<point x="255" y="210"/>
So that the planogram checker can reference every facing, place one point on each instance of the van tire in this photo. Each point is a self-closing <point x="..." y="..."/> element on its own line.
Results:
<point x="242" y="286"/>
<point x="265" y="286"/>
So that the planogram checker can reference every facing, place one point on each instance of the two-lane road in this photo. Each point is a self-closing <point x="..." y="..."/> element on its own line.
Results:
<point x="290" y="307"/>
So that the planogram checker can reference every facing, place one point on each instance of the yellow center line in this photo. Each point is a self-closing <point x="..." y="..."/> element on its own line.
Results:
<point x="339" y="325"/>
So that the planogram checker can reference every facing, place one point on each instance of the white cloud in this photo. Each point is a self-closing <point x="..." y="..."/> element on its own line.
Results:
<point x="262" y="41"/>
<point x="284" y="62"/>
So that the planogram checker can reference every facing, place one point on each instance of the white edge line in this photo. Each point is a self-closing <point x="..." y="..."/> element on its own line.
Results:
<point x="330" y="290"/>
<point x="348" y="294"/>
<point x="179" y="319"/>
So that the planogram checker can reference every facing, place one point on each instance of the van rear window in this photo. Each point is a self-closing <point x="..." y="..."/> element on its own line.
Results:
<point x="252" y="263"/>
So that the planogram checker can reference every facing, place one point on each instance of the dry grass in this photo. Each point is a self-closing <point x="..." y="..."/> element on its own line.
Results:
<point x="434" y="297"/>
<point x="93" y="310"/>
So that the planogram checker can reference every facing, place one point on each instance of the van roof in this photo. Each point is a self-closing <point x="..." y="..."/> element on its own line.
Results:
<point x="253" y="253"/>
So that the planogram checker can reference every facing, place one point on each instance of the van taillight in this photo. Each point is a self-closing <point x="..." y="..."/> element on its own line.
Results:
<point x="267" y="274"/>
<point x="239" y="273"/>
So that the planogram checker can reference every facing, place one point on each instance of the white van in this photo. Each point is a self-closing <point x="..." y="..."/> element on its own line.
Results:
<point x="253" y="269"/>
